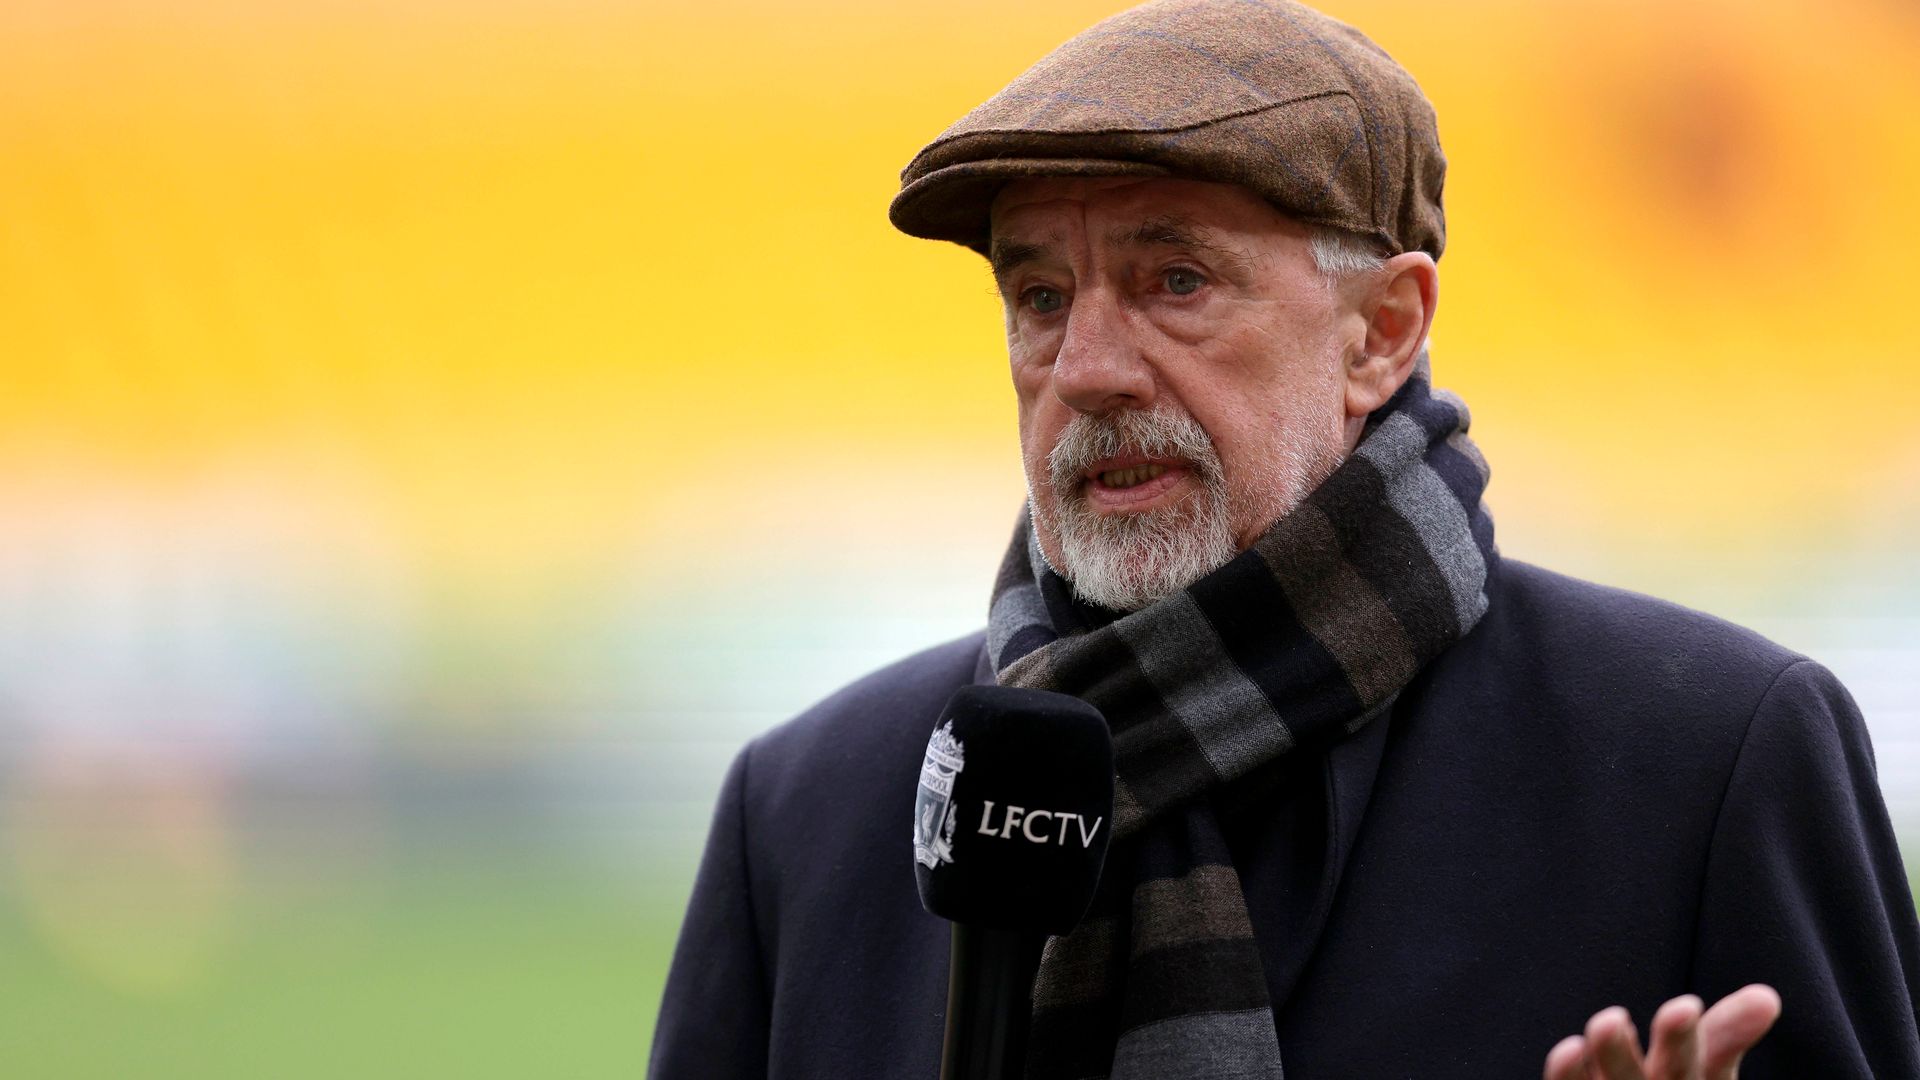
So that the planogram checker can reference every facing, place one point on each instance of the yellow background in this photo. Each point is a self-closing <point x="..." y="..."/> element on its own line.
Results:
<point x="486" y="385"/>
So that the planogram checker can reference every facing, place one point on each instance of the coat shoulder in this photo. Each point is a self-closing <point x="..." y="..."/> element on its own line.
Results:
<point x="1603" y="640"/>
<point x="878" y="722"/>
<point x="1555" y="604"/>
<point x="1597" y="671"/>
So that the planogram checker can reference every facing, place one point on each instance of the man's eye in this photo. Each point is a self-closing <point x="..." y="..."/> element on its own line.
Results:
<point x="1182" y="282"/>
<point x="1045" y="300"/>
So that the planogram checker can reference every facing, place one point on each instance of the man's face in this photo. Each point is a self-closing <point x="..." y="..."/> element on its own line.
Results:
<point x="1178" y="362"/>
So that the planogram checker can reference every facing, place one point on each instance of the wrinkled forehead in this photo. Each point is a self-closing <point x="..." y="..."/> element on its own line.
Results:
<point x="1049" y="213"/>
<point x="1049" y="210"/>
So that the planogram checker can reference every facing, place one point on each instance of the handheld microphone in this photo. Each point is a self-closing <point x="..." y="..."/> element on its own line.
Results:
<point x="1010" y="829"/>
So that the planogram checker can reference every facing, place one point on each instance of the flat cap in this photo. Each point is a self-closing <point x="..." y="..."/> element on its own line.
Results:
<point x="1267" y="94"/>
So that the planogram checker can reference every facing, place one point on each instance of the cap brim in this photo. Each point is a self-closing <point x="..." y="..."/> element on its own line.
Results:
<point x="952" y="203"/>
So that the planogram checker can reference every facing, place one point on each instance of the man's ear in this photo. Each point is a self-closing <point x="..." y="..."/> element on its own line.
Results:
<point x="1397" y="308"/>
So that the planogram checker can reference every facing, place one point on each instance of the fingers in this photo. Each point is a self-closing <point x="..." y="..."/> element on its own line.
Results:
<point x="1733" y="1025"/>
<point x="1567" y="1060"/>
<point x="1674" y="1040"/>
<point x="1615" y="1045"/>
<point x="1686" y="1043"/>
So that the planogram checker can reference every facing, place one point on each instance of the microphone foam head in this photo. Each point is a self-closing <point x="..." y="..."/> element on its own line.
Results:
<point x="1014" y="809"/>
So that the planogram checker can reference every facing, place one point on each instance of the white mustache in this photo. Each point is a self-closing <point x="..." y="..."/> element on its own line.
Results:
<point x="1156" y="433"/>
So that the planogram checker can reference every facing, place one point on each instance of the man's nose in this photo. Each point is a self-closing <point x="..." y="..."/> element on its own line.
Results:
<point x="1099" y="367"/>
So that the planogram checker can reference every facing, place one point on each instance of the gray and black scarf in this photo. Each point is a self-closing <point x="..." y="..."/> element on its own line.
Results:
<point x="1295" y="643"/>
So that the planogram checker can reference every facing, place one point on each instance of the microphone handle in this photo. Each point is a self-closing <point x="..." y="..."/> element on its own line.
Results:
<point x="989" y="1002"/>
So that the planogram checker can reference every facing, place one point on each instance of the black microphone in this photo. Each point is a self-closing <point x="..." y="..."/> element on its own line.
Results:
<point x="1010" y="829"/>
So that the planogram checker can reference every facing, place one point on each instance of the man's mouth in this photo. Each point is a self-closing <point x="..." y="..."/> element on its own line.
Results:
<point x="1136" y="484"/>
<point x="1126" y="478"/>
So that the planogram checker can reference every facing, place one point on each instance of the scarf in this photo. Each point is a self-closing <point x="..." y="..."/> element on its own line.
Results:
<point x="1296" y="642"/>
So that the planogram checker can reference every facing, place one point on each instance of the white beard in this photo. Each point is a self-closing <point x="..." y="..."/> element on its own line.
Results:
<point x="1127" y="561"/>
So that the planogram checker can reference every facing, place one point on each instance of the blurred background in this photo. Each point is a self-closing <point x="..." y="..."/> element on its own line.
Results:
<point x="434" y="437"/>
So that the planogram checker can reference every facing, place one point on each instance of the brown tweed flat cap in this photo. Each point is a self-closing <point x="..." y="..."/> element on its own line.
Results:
<point x="1267" y="94"/>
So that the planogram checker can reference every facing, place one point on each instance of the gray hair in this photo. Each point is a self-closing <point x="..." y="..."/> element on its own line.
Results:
<point x="1339" y="254"/>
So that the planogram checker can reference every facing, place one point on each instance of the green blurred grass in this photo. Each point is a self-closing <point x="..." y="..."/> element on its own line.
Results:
<point x="500" y="970"/>
<point x="476" y="974"/>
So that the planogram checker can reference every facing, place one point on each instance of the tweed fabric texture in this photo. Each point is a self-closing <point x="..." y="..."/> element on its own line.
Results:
<point x="1298" y="641"/>
<point x="1267" y="94"/>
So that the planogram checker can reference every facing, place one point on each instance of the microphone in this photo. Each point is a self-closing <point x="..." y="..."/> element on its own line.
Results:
<point x="1010" y="829"/>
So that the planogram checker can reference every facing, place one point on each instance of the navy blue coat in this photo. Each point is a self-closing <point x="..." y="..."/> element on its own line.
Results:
<point x="1594" y="798"/>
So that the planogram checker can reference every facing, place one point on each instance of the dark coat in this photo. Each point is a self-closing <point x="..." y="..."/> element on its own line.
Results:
<point x="1594" y="798"/>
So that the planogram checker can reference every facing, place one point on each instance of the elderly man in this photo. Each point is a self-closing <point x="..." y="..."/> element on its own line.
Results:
<point x="1395" y="805"/>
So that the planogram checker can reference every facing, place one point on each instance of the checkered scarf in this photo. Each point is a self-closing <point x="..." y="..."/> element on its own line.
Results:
<point x="1296" y="642"/>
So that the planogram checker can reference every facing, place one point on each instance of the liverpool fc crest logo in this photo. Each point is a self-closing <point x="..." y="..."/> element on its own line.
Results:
<point x="933" y="807"/>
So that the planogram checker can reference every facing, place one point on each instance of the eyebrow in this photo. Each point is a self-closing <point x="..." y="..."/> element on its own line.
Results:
<point x="1173" y="231"/>
<point x="1006" y="256"/>
<point x="1167" y="230"/>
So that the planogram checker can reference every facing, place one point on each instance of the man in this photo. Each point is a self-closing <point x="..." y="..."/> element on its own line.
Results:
<point x="1388" y="804"/>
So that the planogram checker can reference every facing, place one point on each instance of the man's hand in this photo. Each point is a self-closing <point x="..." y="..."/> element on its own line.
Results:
<point x="1687" y="1045"/>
